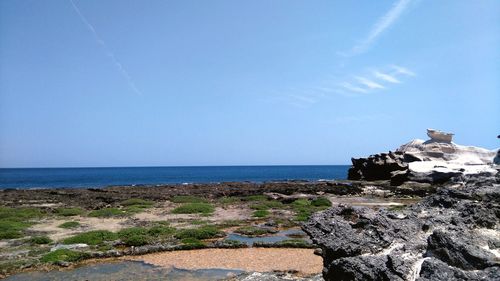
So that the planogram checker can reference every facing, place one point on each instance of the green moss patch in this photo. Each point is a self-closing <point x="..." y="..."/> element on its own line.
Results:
<point x="40" y="240"/>
<point x="139" y="236"/>
<point x="230" y="223"/>
<point x="304" y="208"/>
<point x="20" y="213"/>
<point x="12" y="229"/>
<point x="63" y="255"/>
<point x="160" y="230"/>
<point x="136" y="205"/>
<point x="69" y="212"/>
<point x="69" y="224"/>
<point x="192" y="243"/>
<point x="321" y="202"/>
<point x="198" y="222"/>
<point x="204" y="232"/>
<point x="95" y="237"/>
<point x="13" y="221"/>
<point x="260" y="213"/>
<point x="194" y="208"/>
<point x="295" y="243"/>
<point x="301" y="203"/>
<point x="137" y="240"/>
<point x="265" y="205"/>
<point x="137" y="202"/>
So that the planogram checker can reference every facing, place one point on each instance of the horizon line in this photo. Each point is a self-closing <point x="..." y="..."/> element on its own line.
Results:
<point x="174" y="166"/>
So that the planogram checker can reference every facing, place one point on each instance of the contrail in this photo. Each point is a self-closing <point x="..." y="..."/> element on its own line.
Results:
<point x="109" y="53"/>
<point x="379" y="27"/>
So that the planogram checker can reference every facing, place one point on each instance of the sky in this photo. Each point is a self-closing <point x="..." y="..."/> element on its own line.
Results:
<point x="90" y="83"/>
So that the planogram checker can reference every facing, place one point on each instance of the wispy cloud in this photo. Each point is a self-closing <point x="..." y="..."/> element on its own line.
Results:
<point x="376" y="80"/>
<point x="382" y="24"/>
<point x="109" y="53"/>
<point x="350" y="87"/>
<point x="369" y="83"/>
<point x="403" y="70"/>
<point x="386" y="77"/>
<point x="362" y="84"/>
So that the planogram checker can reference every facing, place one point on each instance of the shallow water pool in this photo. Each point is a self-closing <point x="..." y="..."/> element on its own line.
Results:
<point x="272" y="238"/>
<point x="125" y="270"/>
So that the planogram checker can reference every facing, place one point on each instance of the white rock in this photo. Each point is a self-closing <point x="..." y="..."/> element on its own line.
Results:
<point x="440" y="136"/>
<point x="448" y="157"/>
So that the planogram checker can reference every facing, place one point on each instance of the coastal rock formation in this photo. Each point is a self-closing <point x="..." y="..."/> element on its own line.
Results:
<point x="451" y="235"/>
<point x="434" y="161"/>
<point x="377" y="167"/>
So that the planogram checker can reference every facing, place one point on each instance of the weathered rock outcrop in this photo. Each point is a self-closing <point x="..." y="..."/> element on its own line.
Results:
<point x="377" y="167"/>
<point x="433" y="161"/>
<point x="451" y="235"/>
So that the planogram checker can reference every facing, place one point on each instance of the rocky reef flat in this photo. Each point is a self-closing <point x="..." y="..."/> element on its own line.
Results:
<point x="95" y="198"/>
<point x="61" y="228"/>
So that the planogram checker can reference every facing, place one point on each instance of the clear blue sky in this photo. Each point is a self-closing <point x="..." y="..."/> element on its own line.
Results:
<point x="140" y="83"/>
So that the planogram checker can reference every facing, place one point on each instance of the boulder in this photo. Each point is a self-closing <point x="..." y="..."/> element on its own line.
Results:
<point x="377" y="167"/>
<point x="439" y="136"/>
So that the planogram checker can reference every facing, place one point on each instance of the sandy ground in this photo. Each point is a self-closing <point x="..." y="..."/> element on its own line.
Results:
<point x="220" y="214"/>
<point x="52" y="229"/>
<point x="249" y="259"/>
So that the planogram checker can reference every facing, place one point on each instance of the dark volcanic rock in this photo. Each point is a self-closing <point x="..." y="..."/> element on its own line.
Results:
<point x="436" y="270"/>
<point x="93" y="198"/>
<point x="451" y="235"/>
<point x="393" y="166"/>
<point x="377" y="167"/>
<point x="452" y="250"/>
<point x="433" y="177"/>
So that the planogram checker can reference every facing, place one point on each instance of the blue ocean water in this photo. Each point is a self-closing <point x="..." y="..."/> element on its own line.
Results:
<point x="101" y="177"/>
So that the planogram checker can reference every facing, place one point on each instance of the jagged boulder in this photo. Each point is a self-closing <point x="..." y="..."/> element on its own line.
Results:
<point x="451" y="235"/>
<point x="377" y="167"/>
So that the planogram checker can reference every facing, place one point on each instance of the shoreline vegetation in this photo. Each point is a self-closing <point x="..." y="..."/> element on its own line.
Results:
<point x="42" y="229"/>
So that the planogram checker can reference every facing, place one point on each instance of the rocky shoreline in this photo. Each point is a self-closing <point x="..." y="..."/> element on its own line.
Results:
<point x="451" y="235"/>
<point x="242" y="208"/>
<point x="357" y="243"/>
<point x="374" y="226"/>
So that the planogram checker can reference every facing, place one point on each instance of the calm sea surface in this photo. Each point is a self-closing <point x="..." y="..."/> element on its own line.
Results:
<point x="100" y="177"/>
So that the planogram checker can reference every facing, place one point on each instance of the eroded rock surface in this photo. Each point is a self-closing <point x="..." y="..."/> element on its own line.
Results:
<point x="451" y="235"/>
<point x="377" y="167"/>
<point x="430" y="161"/>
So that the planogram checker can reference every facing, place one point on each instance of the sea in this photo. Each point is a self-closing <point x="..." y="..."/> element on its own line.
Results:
<point x="27" y="178"/>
